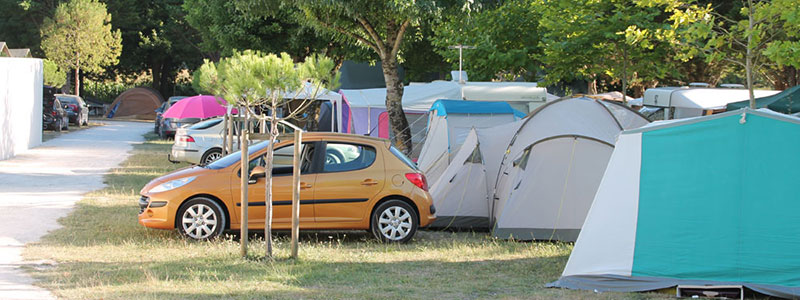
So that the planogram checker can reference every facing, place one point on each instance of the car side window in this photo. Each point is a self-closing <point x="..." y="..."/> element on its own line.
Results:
<point x="283" y="160"/>
<point x="341" y="157"/>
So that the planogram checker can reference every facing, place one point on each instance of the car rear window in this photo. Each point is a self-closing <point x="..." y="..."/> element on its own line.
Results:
<point x="403" y="158"/>
<point x="69" y="100"/>
<point x="206" y="124"/>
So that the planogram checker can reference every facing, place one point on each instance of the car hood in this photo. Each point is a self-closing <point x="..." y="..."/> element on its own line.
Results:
<point x="177" y="174"/>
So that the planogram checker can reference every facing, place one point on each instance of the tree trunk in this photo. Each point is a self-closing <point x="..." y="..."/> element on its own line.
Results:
<point x="749" y="56"/>
<point x="77" y="80"/>
<point x="155" y="71"/>
<point x="245" y="177"/>
<point x="624" y="76"/>
<point x="591" y="86"/>
<point x="394" y="106"/>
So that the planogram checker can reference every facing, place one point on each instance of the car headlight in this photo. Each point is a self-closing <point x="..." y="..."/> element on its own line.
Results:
<point x="169" y="185"/>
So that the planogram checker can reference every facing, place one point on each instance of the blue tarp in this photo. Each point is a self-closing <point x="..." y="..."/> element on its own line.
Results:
<point x="444" y="107"/>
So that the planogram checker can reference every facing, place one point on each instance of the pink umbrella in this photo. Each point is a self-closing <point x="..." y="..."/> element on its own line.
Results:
<point x="200" y="106"/>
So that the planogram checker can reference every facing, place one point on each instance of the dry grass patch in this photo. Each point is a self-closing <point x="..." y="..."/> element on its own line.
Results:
<point x="103" y="253"/>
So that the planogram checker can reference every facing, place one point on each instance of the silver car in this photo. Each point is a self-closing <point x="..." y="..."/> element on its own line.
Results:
<point x="201" y="143"/>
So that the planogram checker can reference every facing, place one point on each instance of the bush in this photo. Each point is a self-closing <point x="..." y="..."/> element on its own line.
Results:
<point x="104" y="92"/>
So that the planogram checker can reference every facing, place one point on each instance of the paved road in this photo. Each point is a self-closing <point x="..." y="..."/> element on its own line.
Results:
<point x="42" y="185"/>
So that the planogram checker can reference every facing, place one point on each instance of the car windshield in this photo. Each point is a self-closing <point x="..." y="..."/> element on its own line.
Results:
<point x="404" y="158"/>
<point x="234" y="157"/>
<point x="206" y="124"/>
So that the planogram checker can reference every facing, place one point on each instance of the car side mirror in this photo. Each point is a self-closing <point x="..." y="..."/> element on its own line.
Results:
<point x="258" y="172"/>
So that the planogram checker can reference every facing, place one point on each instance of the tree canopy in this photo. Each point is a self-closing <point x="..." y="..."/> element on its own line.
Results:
<point x="79" y="37"/>
<point x="506" y="40"/>
<point x="53" y="75"/>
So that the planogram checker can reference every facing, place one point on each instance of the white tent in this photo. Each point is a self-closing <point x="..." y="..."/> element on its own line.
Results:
<point x="553" y="165"/>
<point x="418" y="97"/>
<point x="462" y="194"/>
<point x="450" y="121"/>
<point x="694" y="102"/>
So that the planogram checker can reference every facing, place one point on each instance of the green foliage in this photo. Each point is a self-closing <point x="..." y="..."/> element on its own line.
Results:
<point x="506" y="40"/>
<point x="785" y="52"/>
<point x="224" y="29"/>
<point x="587" y="38"/>
<point x="53" y="75"/>
<point x="79" y="36"/>
<point x="156" y="41"/>
<point x="252" y="78"/>
<point x="104" y="91"/>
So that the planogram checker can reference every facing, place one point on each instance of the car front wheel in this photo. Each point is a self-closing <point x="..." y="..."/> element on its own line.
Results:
<point x="201" y="219"/>
<point x="394" y="221"/>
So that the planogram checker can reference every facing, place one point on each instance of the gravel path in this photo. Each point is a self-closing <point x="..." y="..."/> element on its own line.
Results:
<point x="41" y="185"/>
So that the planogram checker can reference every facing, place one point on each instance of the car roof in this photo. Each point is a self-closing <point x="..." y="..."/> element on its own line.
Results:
<point x="343" y="136"/>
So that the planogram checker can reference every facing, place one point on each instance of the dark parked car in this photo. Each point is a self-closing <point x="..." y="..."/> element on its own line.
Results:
<point x="162" y="109"/>
<point x="53" y="114"/>
<point x="76" y="108"/>
<point x="170" y="125"/>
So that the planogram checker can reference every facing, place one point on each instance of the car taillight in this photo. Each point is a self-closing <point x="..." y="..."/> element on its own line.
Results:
<point x="186" y="139"/>
<point x="55" y="113"/>
<point x="74" y="107"/>
<point x="418" y="179"/>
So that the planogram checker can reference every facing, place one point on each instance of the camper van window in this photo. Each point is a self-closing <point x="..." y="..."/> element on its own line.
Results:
<point x="475" y="157"/>
<point x="522" y="161"/>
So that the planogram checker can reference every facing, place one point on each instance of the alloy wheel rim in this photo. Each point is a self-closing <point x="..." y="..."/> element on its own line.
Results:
<point x="199" y="221"/>
<point x="211" y="157"/>
<point x="395" y="223"/>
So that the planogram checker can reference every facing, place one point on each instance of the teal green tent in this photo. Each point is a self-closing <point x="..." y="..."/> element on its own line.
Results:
<point x="787" y="102"/>
<point x="702" y="201"/>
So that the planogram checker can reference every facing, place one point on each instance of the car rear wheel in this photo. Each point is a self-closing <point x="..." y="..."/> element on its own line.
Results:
<point x="201" y="219"/>
<point x="210" y="156"/>
<point x="394" y="221"/>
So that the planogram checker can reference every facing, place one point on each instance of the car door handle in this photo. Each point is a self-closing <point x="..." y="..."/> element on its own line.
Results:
<point x="304" y="185"/>
<point x="369" y="182"/>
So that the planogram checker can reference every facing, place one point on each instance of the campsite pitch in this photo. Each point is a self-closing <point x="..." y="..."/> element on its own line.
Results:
<point x="101" y="252"/>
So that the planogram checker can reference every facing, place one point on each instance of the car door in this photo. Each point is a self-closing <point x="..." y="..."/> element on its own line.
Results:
<point x="350" y="176"/>
<point x="281" y="191"/>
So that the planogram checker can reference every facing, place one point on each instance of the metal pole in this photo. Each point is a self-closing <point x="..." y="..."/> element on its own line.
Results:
<point x="460" y="59"/>
<point x="245" y="177"/>
<point x="296" y="192"/>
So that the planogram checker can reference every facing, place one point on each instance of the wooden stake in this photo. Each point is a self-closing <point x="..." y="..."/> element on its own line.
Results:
<point x="245" y="176"/>
<point x="225" y="149"/>
<point x="296" y="191"/>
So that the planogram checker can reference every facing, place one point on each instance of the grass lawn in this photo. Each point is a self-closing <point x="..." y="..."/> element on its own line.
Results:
<point x="101" y="252"/>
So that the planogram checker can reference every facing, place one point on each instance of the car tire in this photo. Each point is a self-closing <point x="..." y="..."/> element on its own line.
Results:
<point x="201" y="219"/>
<point x="210" y="156"/>
<point x="394" y="221"/>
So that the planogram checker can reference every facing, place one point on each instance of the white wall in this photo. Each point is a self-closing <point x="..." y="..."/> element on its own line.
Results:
<point x="20" y="105"/>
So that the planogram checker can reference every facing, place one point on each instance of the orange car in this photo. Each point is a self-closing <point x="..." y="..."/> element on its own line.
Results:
<point x="355" y="183"/>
